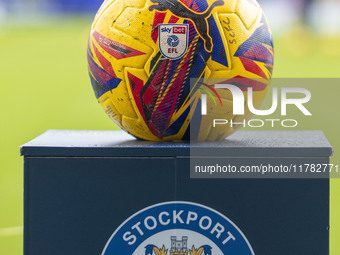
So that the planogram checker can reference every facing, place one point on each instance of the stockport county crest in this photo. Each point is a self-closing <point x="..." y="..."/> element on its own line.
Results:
<point x="178" y="228"/>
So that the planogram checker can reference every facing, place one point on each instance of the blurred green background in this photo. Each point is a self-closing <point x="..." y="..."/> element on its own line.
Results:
<point x="45" y="85"/>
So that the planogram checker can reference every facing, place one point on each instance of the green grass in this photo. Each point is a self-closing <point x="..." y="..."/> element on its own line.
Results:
<point x="45" y="85"/>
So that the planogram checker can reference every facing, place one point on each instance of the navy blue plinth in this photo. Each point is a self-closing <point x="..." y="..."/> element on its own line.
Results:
<point x="81" y="185"/>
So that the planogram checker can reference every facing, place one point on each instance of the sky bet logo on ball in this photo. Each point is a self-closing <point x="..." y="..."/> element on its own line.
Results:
<point x="173" y="40"/>
<point x="178" y="228"/>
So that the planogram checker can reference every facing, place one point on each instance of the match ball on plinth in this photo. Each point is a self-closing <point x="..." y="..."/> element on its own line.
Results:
<point x="154" y="65"/>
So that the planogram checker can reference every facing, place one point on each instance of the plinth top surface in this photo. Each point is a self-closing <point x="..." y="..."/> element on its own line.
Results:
<point x="72" y="143"/>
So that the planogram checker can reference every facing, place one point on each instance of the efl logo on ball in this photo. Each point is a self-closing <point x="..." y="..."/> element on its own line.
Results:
<point x="173" y="40"/>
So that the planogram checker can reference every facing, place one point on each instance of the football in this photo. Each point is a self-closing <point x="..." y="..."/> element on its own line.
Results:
<point x="153" y="65"/>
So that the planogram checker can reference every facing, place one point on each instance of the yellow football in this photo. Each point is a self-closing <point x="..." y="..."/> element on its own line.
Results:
<point x="153" y="64"/>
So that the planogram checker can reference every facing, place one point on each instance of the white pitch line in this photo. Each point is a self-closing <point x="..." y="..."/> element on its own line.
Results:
<point x="12" y="231"/>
